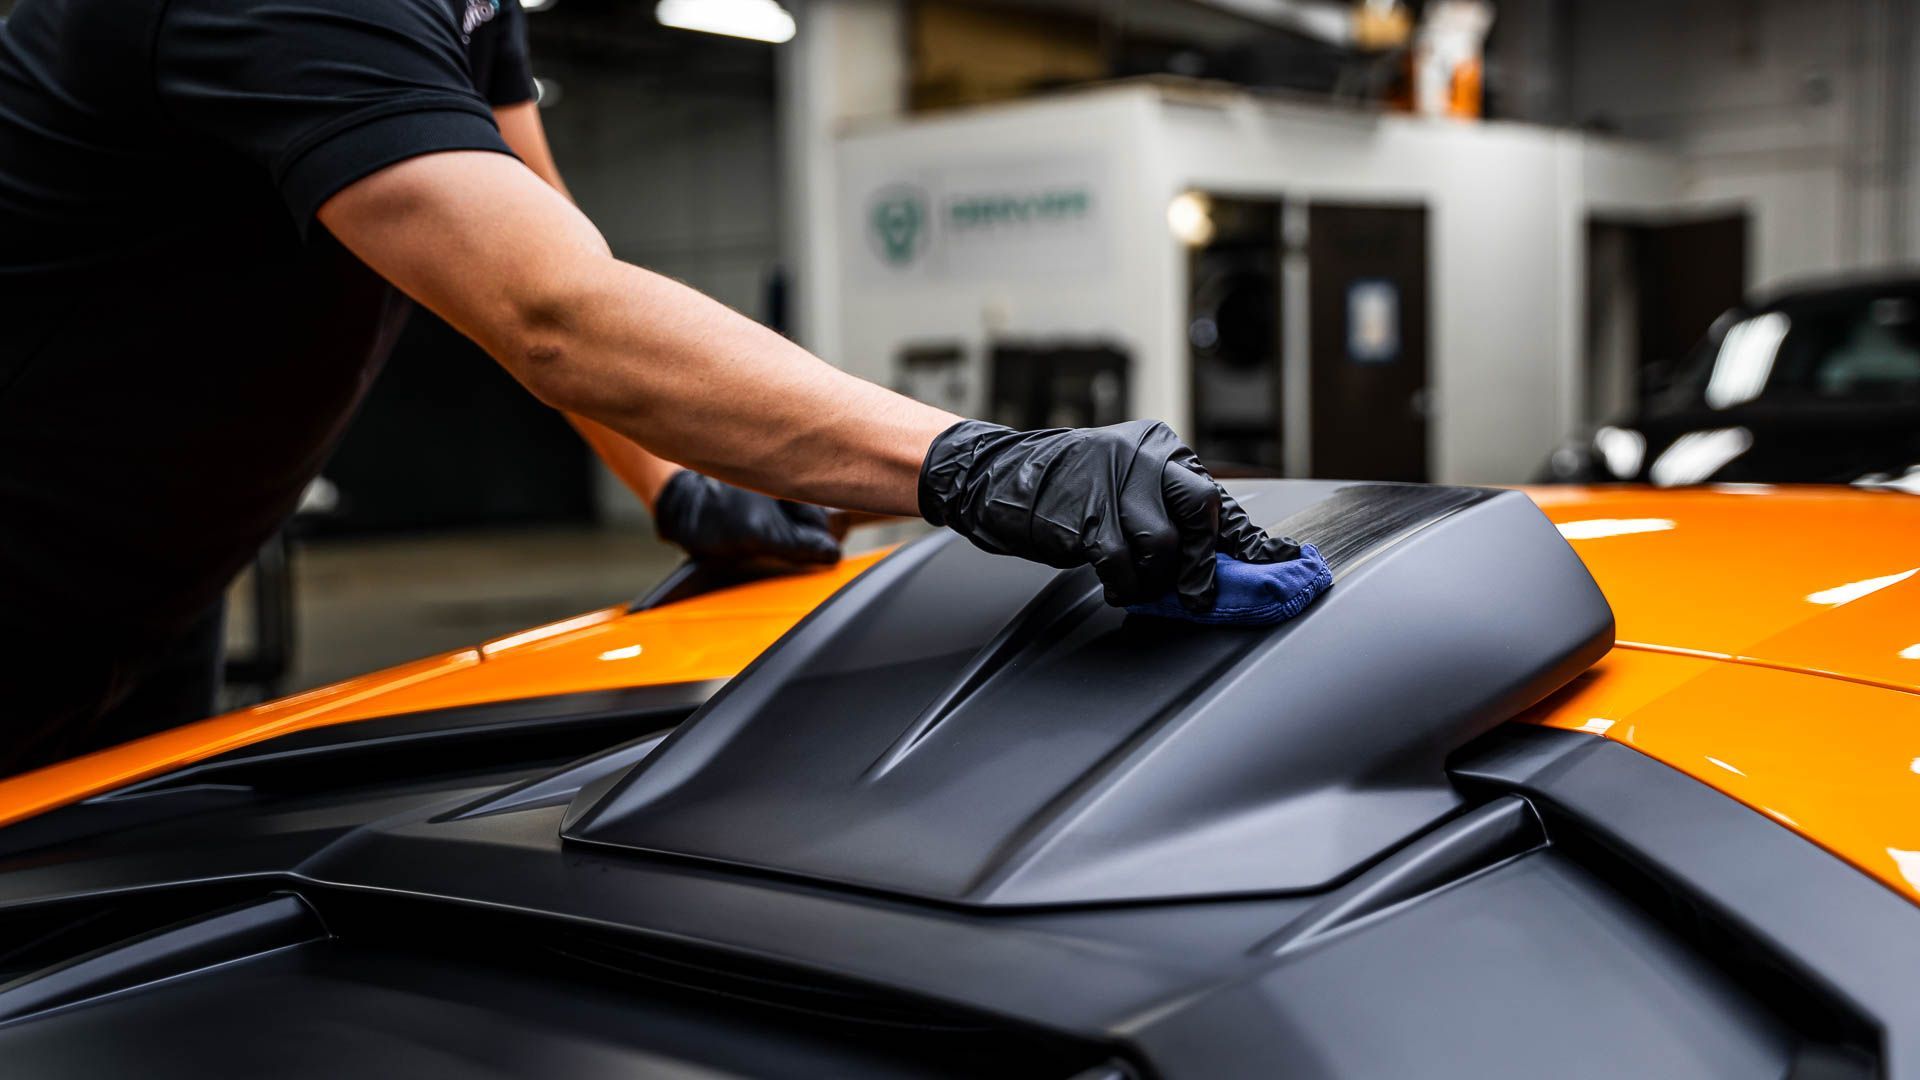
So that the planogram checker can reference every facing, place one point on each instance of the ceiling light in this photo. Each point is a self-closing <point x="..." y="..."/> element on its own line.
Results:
<point x="756" y="20"/>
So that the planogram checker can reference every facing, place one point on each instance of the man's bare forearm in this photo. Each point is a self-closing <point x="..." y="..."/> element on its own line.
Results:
<point x="491" y="248"/>
<point x="487" y="245"/>
<point x="644" y="472"/>
<point x="721" y="394"/>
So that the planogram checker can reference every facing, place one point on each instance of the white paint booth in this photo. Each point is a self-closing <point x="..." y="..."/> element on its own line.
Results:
<point x="1043" y="227"/>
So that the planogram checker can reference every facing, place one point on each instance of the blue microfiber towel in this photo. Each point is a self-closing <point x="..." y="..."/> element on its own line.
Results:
<point x="1252" y="594"/>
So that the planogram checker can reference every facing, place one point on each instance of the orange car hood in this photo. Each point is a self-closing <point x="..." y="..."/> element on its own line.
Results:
<point x="705" y="638"/>
<point x="1769" y="646"/>
<point x="1811" y="579"/>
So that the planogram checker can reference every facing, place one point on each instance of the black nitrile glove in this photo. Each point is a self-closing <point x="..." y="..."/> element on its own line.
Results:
<point x="720" y="523"/>
<point x="1130" y="499"/>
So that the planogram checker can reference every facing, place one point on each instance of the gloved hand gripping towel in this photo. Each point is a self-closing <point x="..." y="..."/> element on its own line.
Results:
<point x="1252" y="594"/>
<point x="1130" y="499"/>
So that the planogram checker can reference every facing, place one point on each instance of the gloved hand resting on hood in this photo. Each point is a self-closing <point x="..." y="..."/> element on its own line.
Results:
<point x="1131" y="500"/>
<point x="719" y="523"/>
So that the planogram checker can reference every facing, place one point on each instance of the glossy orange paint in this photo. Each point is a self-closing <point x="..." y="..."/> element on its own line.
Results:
<point x="1831" y="759"/>
<point x="1769" y="646"/>
<point x="707" y="637"/>
<point x="1815" y="579"/>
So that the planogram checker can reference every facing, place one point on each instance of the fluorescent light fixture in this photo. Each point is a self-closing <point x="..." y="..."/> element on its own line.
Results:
<point x="756" y="20"/>
<point x="536" y="5"/>
<point x="1745" y="359"/>
<point x="1697" y="455"/>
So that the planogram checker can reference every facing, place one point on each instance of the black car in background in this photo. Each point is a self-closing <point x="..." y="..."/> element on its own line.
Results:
<point x="1816" y="385"/>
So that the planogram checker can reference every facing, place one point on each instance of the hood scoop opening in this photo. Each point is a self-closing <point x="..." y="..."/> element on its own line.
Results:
<point x="972" y="729"/>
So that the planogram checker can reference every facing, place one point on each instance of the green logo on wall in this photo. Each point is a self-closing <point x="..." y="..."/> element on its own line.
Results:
<point x="899" y="221"/>
<point x="1025" y="208"/>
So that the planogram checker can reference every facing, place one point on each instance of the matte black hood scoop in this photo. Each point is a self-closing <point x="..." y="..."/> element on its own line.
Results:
<point x="976" y="729"/>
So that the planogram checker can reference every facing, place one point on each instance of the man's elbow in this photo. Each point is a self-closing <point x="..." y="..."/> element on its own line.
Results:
<point x="542" y="362"/>
<point x="543" y="342"/>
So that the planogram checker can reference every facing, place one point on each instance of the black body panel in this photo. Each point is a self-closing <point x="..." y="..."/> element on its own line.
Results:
<point x="469" y="739"/>
<point x="974" y="729"/>
<point x="1594" y="914"/>
<point x="333" y="1008"/>
<point x="1573" y="909"/>
<point x="1781" y="901"/>
<point x="1536" y="969"/>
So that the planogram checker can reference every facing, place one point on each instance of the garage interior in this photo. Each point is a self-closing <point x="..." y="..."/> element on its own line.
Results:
<point x="1074" y="539"/>
<point x="1370" y="240"/>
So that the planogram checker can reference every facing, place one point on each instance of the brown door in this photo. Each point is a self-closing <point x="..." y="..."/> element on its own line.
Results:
<point x="1367" y="314"/>
<point x="1654" y="287"/>
<point x="1690" y="272"/>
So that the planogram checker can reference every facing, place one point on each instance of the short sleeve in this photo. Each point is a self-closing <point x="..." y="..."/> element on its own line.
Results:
<point x="511" y="81"/>
<point x="320" y="93"/>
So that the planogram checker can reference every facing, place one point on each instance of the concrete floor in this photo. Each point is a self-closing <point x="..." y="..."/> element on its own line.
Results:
<point x="361" y="605"/>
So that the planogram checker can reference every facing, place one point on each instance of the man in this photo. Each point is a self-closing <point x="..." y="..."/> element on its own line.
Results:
<point x="209" y="213"/>
<point x="706" y="518"/>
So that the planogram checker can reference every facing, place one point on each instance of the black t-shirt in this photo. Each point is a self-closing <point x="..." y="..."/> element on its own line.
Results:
<point x="180" y="342"/>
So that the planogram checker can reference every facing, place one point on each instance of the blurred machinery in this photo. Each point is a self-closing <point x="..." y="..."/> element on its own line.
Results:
<point x="1057" y="385"/>
<point x="1233" y="327"/>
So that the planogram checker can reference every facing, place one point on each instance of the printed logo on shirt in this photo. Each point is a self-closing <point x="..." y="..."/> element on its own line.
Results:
<point x="478" y="12"/>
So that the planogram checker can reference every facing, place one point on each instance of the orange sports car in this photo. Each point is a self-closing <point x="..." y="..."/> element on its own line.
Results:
<point x="1563" y="782"/>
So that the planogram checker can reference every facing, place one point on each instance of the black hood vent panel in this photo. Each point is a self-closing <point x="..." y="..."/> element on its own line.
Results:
<point x="979" y="730"/>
